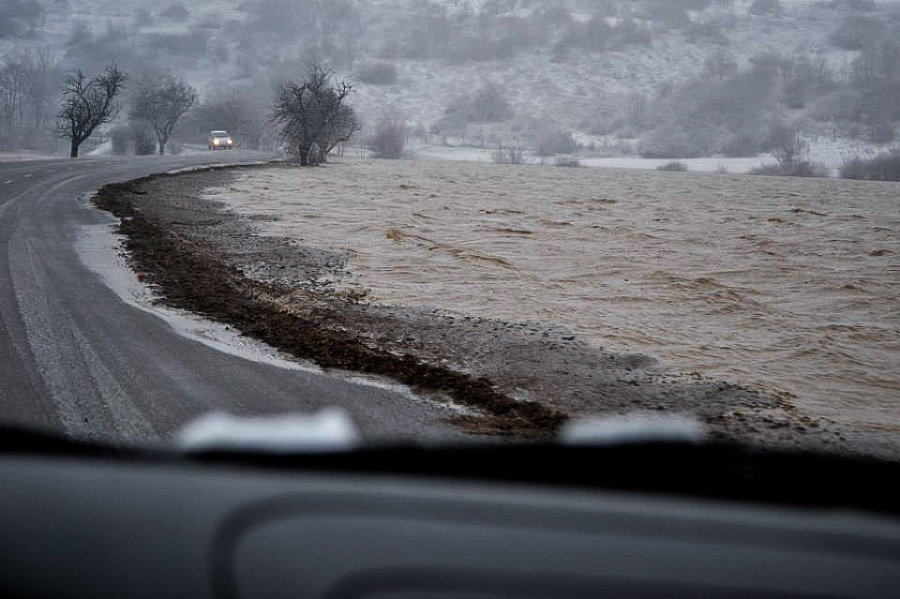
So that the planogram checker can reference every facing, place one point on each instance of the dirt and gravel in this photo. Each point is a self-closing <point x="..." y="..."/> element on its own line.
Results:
<point x="519" y="379"/>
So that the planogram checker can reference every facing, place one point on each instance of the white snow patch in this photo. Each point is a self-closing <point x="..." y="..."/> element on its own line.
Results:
<point x="330" y="429"/>
<point x="22" y="155"/>
<point x="636" y="427"/>
<point x="100" y="249"/>
<point x="103" y="149"/>
<point x="828" y="152"/>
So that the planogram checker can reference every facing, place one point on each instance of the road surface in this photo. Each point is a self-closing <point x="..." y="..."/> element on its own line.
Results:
<point x="76" y="358"/>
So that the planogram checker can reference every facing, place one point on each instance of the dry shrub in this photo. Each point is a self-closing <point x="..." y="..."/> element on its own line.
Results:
<point x="883" y="167"/>
<point x="389" y="139"/>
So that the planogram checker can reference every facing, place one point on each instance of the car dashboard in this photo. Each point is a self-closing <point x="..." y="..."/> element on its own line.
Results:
<point x="492" y="522"/>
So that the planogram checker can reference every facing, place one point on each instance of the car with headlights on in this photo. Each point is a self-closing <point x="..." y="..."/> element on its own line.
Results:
<point x="220" y="140"/>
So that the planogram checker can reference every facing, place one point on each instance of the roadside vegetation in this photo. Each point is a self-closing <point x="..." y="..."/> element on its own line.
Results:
<point x="674" y="166"/>
<point x="799" y="169"/>
<point x="88" y="103"/>
<point x="313" y="115"/>
<point x="883" y="167"/>
<point x="157" y="104"/>
<point x="389" y="138"/>
<point x="672" y="79"/>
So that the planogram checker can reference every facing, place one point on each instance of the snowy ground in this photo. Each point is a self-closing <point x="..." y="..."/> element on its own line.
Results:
<point x="568" y="94"/>
<point x="24" y="155"/>
<point x="829" y="153"/>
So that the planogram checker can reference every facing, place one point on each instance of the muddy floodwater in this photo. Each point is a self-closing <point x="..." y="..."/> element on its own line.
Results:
<point x="781" y="283"/>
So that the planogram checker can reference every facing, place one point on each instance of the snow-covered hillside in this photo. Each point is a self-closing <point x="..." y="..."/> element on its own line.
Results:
<point x="584" y="68"/>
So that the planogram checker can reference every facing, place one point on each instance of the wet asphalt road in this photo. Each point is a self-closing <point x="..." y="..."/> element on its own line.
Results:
<point x="77" y="359"/>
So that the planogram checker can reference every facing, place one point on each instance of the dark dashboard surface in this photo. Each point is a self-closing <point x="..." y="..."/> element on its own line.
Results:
<point x="488" y="522"/>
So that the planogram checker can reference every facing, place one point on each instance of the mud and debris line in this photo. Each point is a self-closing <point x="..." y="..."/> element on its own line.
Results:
<point x="190" y="275"/>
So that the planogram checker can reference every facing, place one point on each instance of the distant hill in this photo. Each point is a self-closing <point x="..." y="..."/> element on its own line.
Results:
<point x="665" y="78"/>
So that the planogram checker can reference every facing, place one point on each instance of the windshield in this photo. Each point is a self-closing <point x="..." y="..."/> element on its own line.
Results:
<point x="462" y="221"/>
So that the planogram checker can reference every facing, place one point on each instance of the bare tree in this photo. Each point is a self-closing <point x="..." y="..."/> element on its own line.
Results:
<point x="160" y="100"/>
<point x="389" y="139"/>
<point x="551" y="141"/>
<point x="786" y="145"/>
<point x="340" y="129"/>
<point x="512" y="154"/>
<point x="313" y="116"/>
<point x="26" y="97"/>
<point x="87" y="104"/>
<point x="13" y="101"/>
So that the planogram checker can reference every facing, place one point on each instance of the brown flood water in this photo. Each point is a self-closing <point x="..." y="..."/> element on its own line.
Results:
<point x="788" y="284"/>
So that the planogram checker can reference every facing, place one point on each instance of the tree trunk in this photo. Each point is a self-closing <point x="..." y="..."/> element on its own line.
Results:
<point x="162" y="144"/>
<point x="314" y="156"/>
<point x="73" y="152"/>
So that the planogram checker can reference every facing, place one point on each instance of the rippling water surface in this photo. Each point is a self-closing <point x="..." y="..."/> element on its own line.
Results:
<point x="789" y="284"/>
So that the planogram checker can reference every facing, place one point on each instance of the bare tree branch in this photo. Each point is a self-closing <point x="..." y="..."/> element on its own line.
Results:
<point x="87" y="104"/>
<point x="313" y="115"/>
<point x="161" y="100"/>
